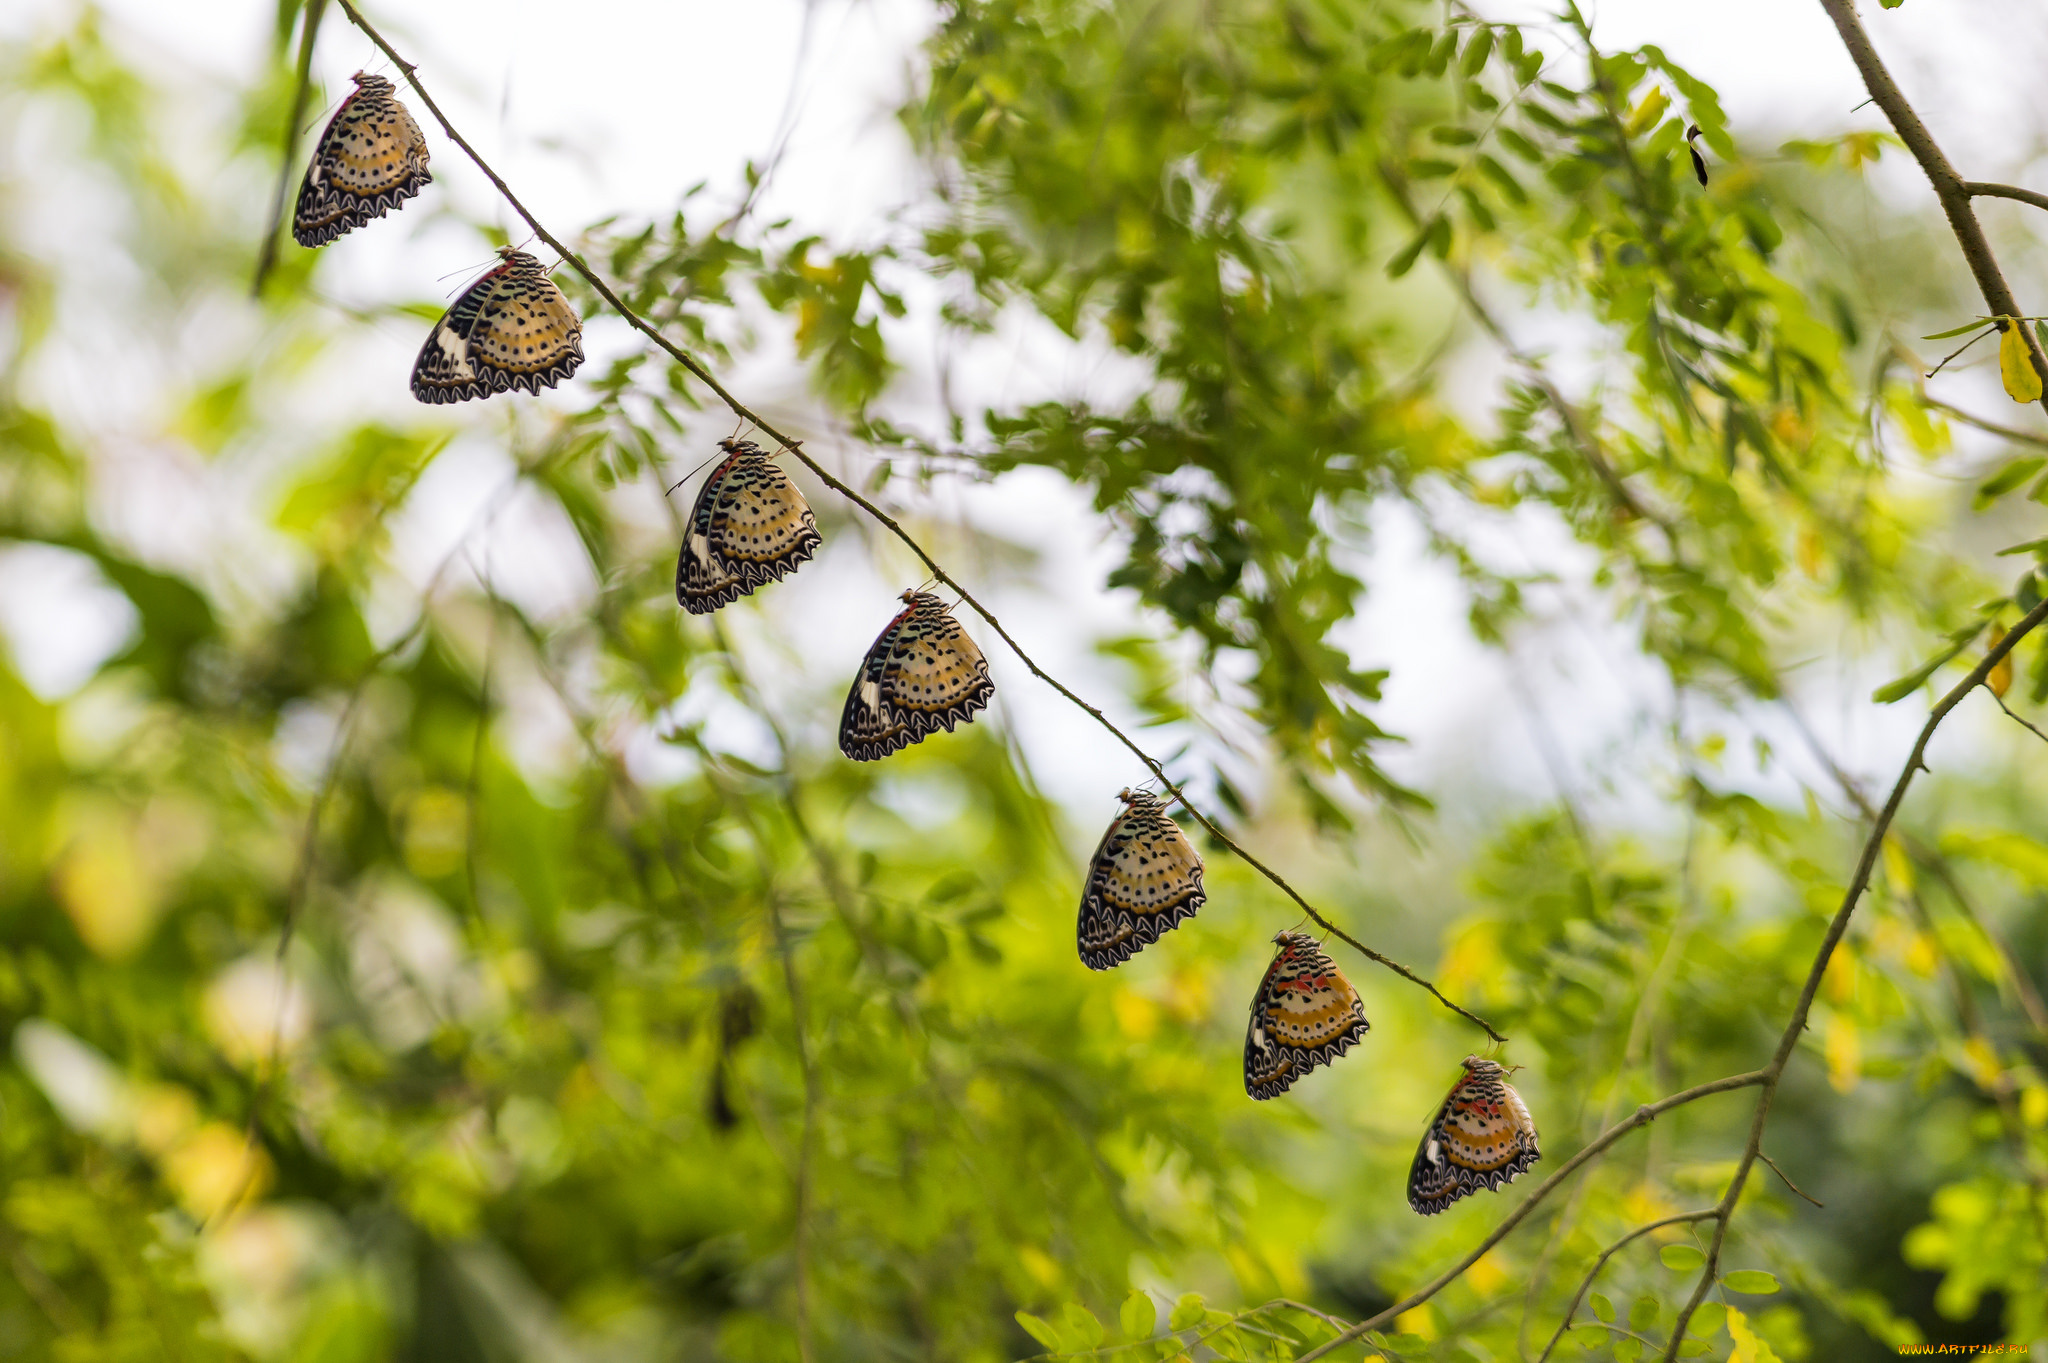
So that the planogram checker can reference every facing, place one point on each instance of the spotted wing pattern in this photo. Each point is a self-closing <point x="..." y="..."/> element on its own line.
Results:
<point x="369" y="161"/>
<point x="750" y="527"/>
<point x="922" y="675"/>
<point x="1481" y="1137"/>
<point x="1143" y="880"/>
<point x="1305" y="1014"/>
<point x="510" y="329"/>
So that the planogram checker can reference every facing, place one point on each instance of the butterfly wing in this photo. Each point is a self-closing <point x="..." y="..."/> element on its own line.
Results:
<point x="511" y="329"/>
<point x="922" y="675"/>
<point x="370" y="159"/>
<point x="526" y="335"/>
<point x="750" y="526"/>
<point x="1305" y="1014"/>
<point x="1482" y="1137"/>
<point x="1144" y="879"/>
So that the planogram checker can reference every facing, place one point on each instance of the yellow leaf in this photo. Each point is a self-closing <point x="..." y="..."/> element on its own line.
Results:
<point x="2034" y="1106"/>
<point x="1898" y="867"/>
<point x="1982" y="1063"/>
<point x="1811" y="555"/>
<point x="1921" y="956"/>
<point x="1839" y="980"/>
<point x="1649" y="111"/>
<point x="1486" y="1275"/>
<point x="1748" y="1348"/>
<point x="1843" y="1047"/>
<point x="1421" y="1321"/>
<point x="1137" y="1015"/>
<point x="2015" y="365"/>
<point x="1999" y="678"/>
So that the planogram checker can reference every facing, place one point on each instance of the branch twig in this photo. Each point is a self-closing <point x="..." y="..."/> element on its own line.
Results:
<point x="1642" y="1116"/>
<point x="1865" y="863"/>
<point x="1985" y="189"/>
<point x="703" y="375"/>
<point x="309" y="33"/>
<point x="1953" y="191"/>
<point x="2017" y="718"/>
<point x="1705" y="1214"/>
<point x="1788" y="1182"/>
<point x="1993" y="427"/>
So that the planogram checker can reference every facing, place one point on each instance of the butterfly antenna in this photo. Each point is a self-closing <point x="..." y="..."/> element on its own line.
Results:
<point x="692" y="474"/>
<point x="319" y="117"/>
<point x="466" y="269"/>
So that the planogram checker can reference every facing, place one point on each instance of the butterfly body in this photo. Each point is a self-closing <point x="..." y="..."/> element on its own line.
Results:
<point x="1144" y="879"/>
<point x="512" y="329"/>
<point x="750" y="526"/>
<point x="1305" y="1014"/>
<point x="369" y="160"/>
<point x="1482" y="1137"/>
<point x="922" y="674"/>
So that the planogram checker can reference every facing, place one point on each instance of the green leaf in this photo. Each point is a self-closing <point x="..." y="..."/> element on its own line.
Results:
<point x="1187" y="1312"/>
<point x="2007" y="478"/>
<point x="1683" y="1258"/>
<point x="1706" y="1322"/>
<point x="1040" y="1330"/>
<point x="2038" y="547"/>
<point x="1914" y="680"/>
<point x="1404" y="259"/>
<point x="1080" y="1325"/>
<point x="1425" y="168"/>
<point x="1602" y="1308"/>
<point x="1977" y="325"/>
<point x="1643" y="1314"/>
<point x="1751" y="1280"/>
<point x="1476" y="52"/>
<point x="1139" y="1315"/>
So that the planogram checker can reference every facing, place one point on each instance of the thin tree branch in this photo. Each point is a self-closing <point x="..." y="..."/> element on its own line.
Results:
<point x="1985" y="189"/>
<point x="703" y="375"/>
<point x="1706" y="1214"/>
<point x="1598" y="1146"/>
<point x="2018" y="719"/>
<point x="1789" y="1040"/>
<point x="1788" y="1182"/>
<point x="1995" y="428"/>
<point x="309" y="33"/>
<point x="1932" y="859"/>
<point x="1953" y="191"/>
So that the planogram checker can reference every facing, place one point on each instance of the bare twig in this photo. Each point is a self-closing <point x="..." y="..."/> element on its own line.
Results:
<point x="309" y="33"/>
<point x="1598" y="1146"/>
<point x="703" y="375"/>
<point x="2016" y="718"/>
<point x="1953" y="191"/>
<point x="1985" y="189"/>
<point x="1683" y="1218"/>
<point x="1788" y="1182"/>
<point x="1789" y="1040"/>
<point x="1993" y="427"/>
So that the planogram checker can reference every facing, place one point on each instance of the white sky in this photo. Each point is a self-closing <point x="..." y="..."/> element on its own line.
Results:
<point x="585" y="125"/>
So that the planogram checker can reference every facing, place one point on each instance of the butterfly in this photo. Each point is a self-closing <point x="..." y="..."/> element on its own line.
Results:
<point x="750" y="527"/>
<point x="1142" y="881"/>
<point x="1482" y="1137"/>
<point x="510" y="329"/>
<point x="370" y="160"/>
<point x="1305" y="1014"/>
<point x="922" y="674"/>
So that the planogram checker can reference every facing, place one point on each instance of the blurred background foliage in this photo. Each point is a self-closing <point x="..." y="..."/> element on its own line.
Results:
<point x="397" y="968"/>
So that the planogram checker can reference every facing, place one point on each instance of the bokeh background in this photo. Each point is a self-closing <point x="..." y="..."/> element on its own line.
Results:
<point x="423" y="941"/>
